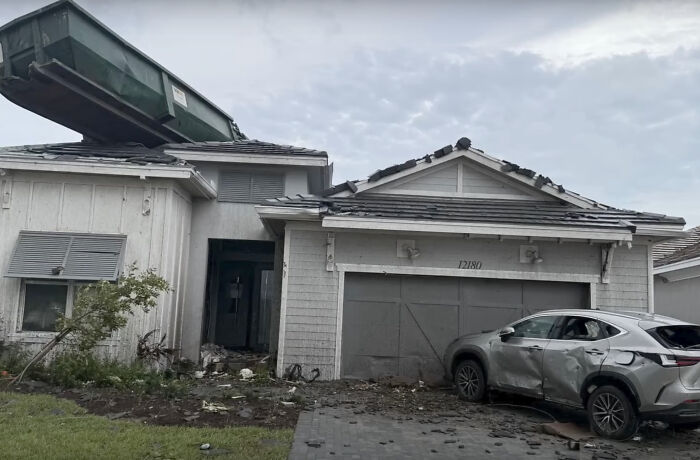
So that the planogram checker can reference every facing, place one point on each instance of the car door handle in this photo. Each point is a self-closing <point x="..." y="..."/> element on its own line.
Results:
<point x="595" y="351"/>
<point x="534" y="347"/>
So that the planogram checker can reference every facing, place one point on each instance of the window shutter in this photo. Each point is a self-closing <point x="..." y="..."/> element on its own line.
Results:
<point x="242" y="187"/>
<point x="267" y="186"/>
<point x="67" y="256"/>
<point x="235" y="187"/>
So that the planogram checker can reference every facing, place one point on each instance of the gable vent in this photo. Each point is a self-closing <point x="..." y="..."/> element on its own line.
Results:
<point x="242" y="187"/>
<point x="67" y="256"/>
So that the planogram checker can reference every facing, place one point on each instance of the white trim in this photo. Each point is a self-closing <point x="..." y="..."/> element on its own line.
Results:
<point x="475" y="228"/>
<point x="465" y="273"/>
<point x="197" y="183"/>
<point x="283" y="304"/>
<point x="677" y="266"/>
<point x="227" y="157"/>
<point x="499" y="196"/>
<point x="650" y="277"/>
<point x="664" y="230"/>
<point x="283" y="212"/>
<point x="339" y="325"/>
<point x="593" y="296"/>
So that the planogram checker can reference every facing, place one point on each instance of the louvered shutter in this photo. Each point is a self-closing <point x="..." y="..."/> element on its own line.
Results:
<point x="67" y="256"/>
<point x="243" y="187"/>
<point x="235" y="187"/>
<point x="267" y="186"/>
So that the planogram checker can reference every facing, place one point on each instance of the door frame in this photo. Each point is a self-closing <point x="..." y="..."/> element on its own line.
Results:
<point x="591" y="280"/>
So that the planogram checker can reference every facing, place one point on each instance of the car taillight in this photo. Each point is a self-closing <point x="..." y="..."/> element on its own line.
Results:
<point x="678" y="361"/>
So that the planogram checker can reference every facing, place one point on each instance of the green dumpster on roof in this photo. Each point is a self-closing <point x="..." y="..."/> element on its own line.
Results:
<point x="62" y="63"/>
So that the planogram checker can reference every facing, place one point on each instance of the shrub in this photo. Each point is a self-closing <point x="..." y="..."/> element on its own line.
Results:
<point x="71" y="370"/>
<point x="12" y="357"/>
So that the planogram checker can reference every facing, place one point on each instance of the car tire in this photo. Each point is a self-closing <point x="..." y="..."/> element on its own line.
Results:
<point x="611" y="413"/>
<point x="470" y="380"/>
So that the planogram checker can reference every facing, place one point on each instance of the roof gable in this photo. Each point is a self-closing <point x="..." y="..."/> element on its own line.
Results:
<point x="506" y="171"/>
<point x="461" y="178"/>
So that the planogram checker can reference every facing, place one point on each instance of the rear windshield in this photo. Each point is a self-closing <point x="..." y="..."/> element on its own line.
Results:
<point x="677" y="336"/>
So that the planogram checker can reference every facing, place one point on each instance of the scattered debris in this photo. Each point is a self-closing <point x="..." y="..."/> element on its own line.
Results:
<point x="213" y="407"/>
<point x="147" y="350"/>
<point x="566" y="430"/>
<point x="246" y="374"/>
<point x="199" y="374"/>
<point x="205" y="446"/>
<point x="293" y="373"/>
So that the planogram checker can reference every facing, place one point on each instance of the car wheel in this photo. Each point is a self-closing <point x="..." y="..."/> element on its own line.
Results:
<point x="611" y="413"/>
<point x="470" y="381"/>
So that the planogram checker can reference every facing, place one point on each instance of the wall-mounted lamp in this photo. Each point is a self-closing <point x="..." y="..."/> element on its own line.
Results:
<point x="413" y="253"/>
<point x="530" y="254"/>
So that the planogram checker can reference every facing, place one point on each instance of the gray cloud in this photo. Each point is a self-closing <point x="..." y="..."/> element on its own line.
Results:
<point x="374" y="84"/>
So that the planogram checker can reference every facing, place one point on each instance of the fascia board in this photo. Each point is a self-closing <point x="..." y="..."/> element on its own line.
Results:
<point x="221" y="157"/>
<point x="475" y="228"/>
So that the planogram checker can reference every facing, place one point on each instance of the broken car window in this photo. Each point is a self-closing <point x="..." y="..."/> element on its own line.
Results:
<point x="580" y="328"/>
<point x="535" y="328"/>
<point x="677" y="336"/>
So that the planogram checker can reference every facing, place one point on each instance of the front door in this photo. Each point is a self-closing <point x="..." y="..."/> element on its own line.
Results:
<point x="517" y="362"/>
<point x="576" y="351"/>
<point x="234" y="304"/>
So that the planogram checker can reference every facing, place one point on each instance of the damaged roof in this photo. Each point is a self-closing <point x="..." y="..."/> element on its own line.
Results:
<point x="475" y="210"/>
<point x="678" y="250"/>
<point x="246" y="146"/>
<point x="127" y="153"/>
<point x="464" y="144"/>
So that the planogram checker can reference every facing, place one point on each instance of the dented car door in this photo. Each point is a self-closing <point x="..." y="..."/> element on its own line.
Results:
<point x="517" y="360"/>
<point x="577" y="350"/>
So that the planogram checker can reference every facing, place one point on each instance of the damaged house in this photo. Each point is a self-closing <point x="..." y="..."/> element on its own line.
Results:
<point x="364" y="279"/>
<point x="382" y="274"/>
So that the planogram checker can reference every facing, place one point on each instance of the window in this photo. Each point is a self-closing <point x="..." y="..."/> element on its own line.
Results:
<point x="44" y="301"/>
<point x="580" y="328"/>
<point x="535" y="328"/>
<point x="250" y="187"/>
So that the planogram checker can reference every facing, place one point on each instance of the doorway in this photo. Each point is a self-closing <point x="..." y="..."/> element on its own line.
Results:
<point x="239" y="294"/>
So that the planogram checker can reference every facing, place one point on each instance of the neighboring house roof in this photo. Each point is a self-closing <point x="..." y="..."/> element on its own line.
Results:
<point x="679" y="249"/>
<point x="127" y="153"/>
<point x="246" y="146"/>
<point x="665" y="249"/>
<point x="475" y="210"/>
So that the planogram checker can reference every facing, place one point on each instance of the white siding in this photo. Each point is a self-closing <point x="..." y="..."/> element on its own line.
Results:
<point x="153" y="214"/>
<point x="310" y="322"/>
<point x="311" y="304"/>
<point x="629" y="281"/>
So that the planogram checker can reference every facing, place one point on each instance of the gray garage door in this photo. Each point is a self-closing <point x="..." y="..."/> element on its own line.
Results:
<point x="401" y="325"/>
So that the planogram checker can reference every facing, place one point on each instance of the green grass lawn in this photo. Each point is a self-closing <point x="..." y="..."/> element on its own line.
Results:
<point x="41" y="426"/>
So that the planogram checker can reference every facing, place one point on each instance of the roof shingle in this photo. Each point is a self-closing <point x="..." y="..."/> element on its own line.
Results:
<point x="475" y="210"/>
<point x="679" y="249"/>
<point x="246" y="146"/>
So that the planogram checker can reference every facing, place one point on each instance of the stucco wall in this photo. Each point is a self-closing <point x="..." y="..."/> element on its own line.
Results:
<point x="678" y="299"/>
<point x="311" y="292"/>
<point x="154" y="215"/>
<point x="212" y="219"/>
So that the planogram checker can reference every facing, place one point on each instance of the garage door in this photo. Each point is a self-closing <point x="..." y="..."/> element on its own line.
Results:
<point x="401" y="325"/>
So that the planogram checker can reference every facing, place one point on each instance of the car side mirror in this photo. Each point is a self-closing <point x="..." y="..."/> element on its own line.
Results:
<point x="506" y="333"/>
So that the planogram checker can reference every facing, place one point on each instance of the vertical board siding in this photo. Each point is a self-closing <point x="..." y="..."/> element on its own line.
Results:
<point x="100" y="204"/>
<point x="312" y="301"/>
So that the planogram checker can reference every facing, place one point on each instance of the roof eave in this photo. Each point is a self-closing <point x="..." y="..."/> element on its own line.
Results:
<point x="227" y="157"/>
<point x="474" y="229"/>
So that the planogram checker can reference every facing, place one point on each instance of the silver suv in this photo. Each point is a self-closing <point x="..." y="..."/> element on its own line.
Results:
<point x="622" y="367"/>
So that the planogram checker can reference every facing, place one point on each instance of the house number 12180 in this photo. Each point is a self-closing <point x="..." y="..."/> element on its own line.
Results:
<point x="470" y="264"/>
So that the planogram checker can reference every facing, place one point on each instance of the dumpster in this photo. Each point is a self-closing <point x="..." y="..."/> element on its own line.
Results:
<point x="62" y="63"/>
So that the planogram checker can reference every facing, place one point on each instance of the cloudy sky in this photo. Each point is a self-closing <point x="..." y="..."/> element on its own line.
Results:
<point x="602" y="97"/>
